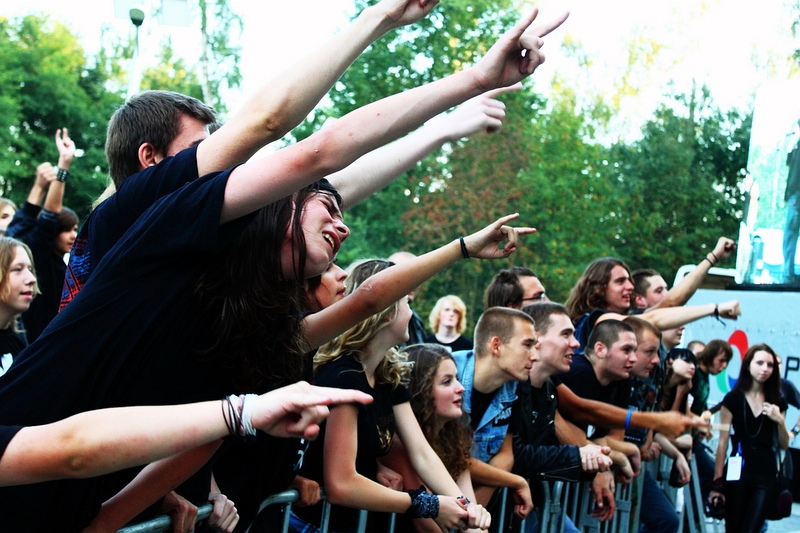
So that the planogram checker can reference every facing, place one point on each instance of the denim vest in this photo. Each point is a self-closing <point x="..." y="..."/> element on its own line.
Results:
<point x="493" y="427"/>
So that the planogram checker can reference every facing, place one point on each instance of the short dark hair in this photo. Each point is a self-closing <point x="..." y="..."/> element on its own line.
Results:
<point x="640" y="325"/>
<point x="497" y="322"/>
<point x="67" y="219"/>
<point x="606" y="332"/>
<point x="148" y="117"/>
<point x="641" y="280"/>
<point x="542" y="315"/>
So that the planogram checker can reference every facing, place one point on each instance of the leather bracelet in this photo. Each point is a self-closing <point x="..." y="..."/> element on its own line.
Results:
<point x="62" y="175"/>
<point x="464" y="252"/>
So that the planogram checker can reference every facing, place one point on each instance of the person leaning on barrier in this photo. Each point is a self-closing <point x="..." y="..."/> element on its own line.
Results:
<point x="537" y="452"/>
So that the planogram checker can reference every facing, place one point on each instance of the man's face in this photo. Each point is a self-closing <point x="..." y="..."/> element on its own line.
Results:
<point x="191" y="132"/>
<point x="720" y="363"/>
<point x="556" y="346"/>
<point x="656" y="291"/>
<point x="646" y="354"/>
<point x="618" y="359"/>
<point x="672" y="337"/>
<point x="532" y="290"/>
<point x="516" y="357"/>
<point x="619" y="290"/>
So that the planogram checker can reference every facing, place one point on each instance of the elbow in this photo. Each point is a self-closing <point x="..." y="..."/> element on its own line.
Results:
<point x="371" y="298"/>
<point x="338" y="492"/>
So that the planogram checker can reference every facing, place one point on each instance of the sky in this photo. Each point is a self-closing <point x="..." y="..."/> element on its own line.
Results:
<point x="730" y="45"/>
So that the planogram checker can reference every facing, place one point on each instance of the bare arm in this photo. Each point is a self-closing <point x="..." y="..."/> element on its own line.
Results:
<point x="54" y="200"/>
<point x="602" y="414"/>
<point x="388" y="286"/>
<point x="258" y="183"/>
<point x="685" y="288"/>
<point x="679" y="316"/>
<point x="490" y="476"/>
<point x="375" y="170"/>
<point x="284" y="102"/>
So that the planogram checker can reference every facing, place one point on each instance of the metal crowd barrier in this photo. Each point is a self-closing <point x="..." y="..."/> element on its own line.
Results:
<point x="559" y="500"/>
<point x="164" y="523"/>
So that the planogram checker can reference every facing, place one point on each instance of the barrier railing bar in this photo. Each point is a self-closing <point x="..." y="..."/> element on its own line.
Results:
<point x="164" y="523"/>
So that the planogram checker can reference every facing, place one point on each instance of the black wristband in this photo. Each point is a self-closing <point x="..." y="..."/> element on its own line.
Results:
<point x="464" y="252"/>
<point x="423" y="504"/>
<point x="62" y="175"/>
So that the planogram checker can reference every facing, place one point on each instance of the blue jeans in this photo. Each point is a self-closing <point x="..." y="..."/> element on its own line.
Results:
<point x="657" y="514"/>
<point x="790" y="229"/>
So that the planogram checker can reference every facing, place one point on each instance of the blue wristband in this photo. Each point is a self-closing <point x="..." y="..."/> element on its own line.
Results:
<point x="628" y="419"/>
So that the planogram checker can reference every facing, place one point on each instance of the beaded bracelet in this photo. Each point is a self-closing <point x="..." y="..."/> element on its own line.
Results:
<point x="423" y="504"/>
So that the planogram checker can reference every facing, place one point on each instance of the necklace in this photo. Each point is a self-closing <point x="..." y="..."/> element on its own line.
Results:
<point x="746" y="406"/>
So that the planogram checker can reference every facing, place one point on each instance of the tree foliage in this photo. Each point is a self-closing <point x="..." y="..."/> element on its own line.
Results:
<point x="48" y="84"/>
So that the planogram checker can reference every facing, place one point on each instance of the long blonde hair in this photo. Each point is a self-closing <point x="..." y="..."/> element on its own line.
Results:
<point x="394" y="367"/>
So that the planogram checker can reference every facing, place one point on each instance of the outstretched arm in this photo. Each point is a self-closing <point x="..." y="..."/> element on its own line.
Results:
<point x="680" y="316"/>
<point x="284" y="102"/>
<point x="258" y="183"/>
<point x="106" y="440"/>
<point x="388" y="286"/>
<point x="685" y="288"/>
<point x="377" y="169"/>
<point x="573" y="407"/>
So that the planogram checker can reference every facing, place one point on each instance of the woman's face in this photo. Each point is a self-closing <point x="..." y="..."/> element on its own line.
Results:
<point x="447" y="391"/>
<point x="449" y="316"/>
<point x="399" y="325"/>
<point x="20" y="283"/>
<point x="331" y="287"/>
<point x="683" y="369"/>
<point x="762" y="366"/>
<point x="65" y="239"/>
<point x="324" y="232"/>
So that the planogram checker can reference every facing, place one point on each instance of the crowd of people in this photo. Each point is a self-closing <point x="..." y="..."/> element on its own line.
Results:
<point x="203" y="273"/>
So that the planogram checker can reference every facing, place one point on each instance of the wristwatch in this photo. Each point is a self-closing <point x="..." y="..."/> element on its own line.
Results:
<point x="62" y="175"/>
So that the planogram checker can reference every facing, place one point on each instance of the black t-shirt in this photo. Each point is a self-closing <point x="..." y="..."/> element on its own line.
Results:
<point x="479" y="403"/>
<point x="461" y="343"/>
<point x="376" y="429"/>
<point x="582" y="380"/>
<point x="126" y="339"/>
<point x="107" y="223"/>
<point x="756" y="434"/>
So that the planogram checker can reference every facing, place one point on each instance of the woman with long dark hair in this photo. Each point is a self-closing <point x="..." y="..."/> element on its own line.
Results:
<point x="755" y="411"/>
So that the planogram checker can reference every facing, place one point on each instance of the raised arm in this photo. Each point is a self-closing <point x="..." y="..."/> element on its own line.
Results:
<point x="685" y="288"/>
<point x="680" y="316"/>
<point x="284" y="102"/>
<point x="54" y="200"/>
<point x="381" y="290"/>
<point x="375" y="170"/>
<point x="258" y="183"/>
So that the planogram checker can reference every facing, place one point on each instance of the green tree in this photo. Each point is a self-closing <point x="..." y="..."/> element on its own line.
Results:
<point x="48" y="83"/>
<point x="681" y="182"/>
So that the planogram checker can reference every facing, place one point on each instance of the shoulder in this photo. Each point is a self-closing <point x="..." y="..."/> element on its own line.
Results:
<point x="344" y="372"/>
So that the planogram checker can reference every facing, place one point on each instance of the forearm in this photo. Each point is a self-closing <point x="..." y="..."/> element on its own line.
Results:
<point x="685" y="288"/>
<point x="376" y="294"/>
<point x="377" y="169"/>
<point x="98" y="442"/>
<point x="36" y="194"/>
<point x="783" y="432"/>
<point x="490" y="476"/>
<point x="54" y="200"/>
<point x="287" y="99"/>
<point x="722" y="451"/>
<point x="678" y="316"/>
<point x="153" y="483"/>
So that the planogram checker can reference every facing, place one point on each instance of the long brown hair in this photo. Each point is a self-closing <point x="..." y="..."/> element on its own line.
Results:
<point x="590" y="291"/>
<point x="772" y="387"/>
<point x="252" y="313"/>
<point x="452" y="443"/>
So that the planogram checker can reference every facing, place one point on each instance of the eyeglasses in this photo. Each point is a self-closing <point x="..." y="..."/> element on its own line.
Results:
<point x="538" y="298"/>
